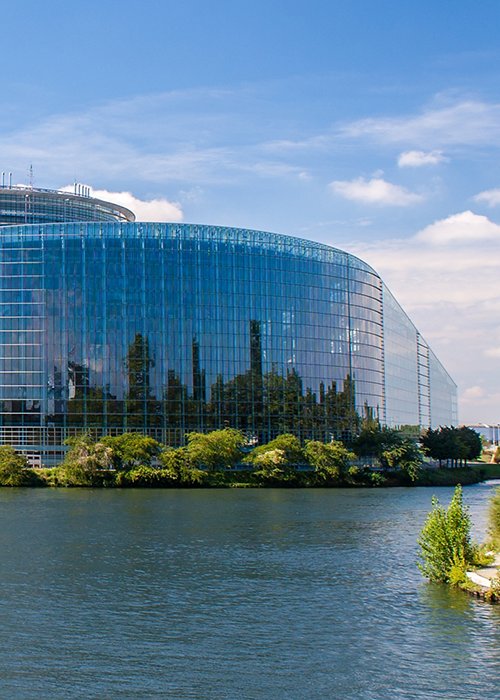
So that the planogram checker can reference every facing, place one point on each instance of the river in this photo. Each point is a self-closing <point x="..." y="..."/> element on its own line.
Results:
<point x="235" y="594"/>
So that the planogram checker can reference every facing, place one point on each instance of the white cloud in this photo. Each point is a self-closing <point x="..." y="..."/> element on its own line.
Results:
<point x="491" y="197"/>
<point x="451" y="290"/>
<point x="469" y="122"/>
<point x="473" y="392"/>
<point x="417" y="159"/>
<point x="492" y="352"/>
<point x="190" y="138"/>
<point x="374" y="191"/>
<point x="465" y="227"/>
<point x="145" y="210"/>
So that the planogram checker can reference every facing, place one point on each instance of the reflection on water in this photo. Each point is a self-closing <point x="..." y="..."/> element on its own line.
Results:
<point x="235" y="594"/>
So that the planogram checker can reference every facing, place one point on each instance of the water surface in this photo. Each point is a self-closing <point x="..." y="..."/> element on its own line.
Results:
<point x="215" y="594"/>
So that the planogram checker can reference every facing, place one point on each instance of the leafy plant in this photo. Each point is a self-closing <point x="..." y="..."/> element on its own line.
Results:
<point x="84" y="461"/>
<point x="14" y="470"/>
<point x="131" y="450"/>
<point x="330" y="461"/>
<point x="377" y="479"/>
<point x="289" y="448"/>
<point x="494" y="517"/>
<point x="445" y="541"/>
<point x="405" y="456"/>
<point x="219" y="449"/>
<point x="178" y="464"/>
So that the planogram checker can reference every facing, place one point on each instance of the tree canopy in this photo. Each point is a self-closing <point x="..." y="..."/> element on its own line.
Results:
<point x="451" y="443"/>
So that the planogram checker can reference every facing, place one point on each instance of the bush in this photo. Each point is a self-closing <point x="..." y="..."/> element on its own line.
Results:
<point x="445" y="542"/>
<point x="143" y="476"/>
<point x="377" y="479"/>
<point x="330" y="461"/>
<point x="289" y="452"/>
<point x="219" y="449"/>
<point x="178" y="464"/>
<point x="494" y="517"/>
<point x="84" y="462"/>
<point x="273" y="467"/>
<point x="131" y="450"/>
<point x="404" y="456"/>
<point x="14" y="470"/>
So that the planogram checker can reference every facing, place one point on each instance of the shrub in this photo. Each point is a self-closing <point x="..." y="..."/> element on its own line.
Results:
<point x="405" y="456"/>
<point x="219" y="449"/>
<point x="377" y="479"/>
<point x="494" y="517"/>
<point x="353" y="472"/>
<point x="272" y="466"/>
<point x="445" y="542"/>
<point x="84" y="461"/>
<point x="131" y="450"/>
<point x="330" y="461"/>
<point x="143" y="476"/>
<point x="178" y="465"/>
<point x="289" y="451"/>
<point x="14" y="470"/>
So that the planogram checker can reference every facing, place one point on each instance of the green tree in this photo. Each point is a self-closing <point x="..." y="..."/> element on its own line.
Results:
<point x="287" y="444"/>
<point x="330" y="461"/>
<point x="272" y="467"/>
<point x="178" y="464"/>
<point x="375" y="441"/>
<point x="472" y="445"/>
<point x="445" y="540"/>
<point x="451" y="443"/>
<point x="405" y="456"/>
<point x="130" y="450"/>
<point x="14" y="470"/>
<point x="84" y="461"/>
<point x="219" y="449"/>
<point x="433" y="446"/>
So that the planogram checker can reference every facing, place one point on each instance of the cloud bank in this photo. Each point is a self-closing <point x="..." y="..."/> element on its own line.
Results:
<point x="374" y="191"/>
<point x="465" y="227"/>
<point x="466" y="122"/>
<point x="418" y="159"/>
<point x="490" y="197"/>
<point x="145" y="210"/>
<point x="446" y="278"/>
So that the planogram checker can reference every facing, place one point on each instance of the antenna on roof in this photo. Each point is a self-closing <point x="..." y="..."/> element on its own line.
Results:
<point x="30" y="176"/>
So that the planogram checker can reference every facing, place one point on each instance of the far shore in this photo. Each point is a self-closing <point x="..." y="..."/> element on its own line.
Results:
<point x="474" y="473"/>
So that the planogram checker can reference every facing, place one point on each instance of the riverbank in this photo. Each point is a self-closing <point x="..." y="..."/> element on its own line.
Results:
<point x="355" y="477"/>
<point x="449" y="555"/>
<point x="484" y="583"/>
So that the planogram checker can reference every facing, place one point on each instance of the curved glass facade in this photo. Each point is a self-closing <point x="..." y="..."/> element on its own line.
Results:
<point x="29" y="205"/>
<point x="167" y="328"/>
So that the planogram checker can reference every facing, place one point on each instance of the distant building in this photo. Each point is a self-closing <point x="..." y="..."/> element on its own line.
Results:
<point x="491" y="433"/>
<point x="113" y="325"/>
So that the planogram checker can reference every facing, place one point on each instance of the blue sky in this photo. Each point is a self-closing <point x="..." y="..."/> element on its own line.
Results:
<point x="372" y="126"/>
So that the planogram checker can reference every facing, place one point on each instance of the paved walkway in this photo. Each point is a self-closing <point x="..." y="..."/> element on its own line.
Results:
<point x="483" y="577"/>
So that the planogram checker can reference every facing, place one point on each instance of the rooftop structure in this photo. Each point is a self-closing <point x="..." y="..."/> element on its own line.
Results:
<point x="30" y="205"/>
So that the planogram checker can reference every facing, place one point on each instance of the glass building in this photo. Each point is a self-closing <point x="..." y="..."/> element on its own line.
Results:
<point x="166" y="328"/>
<point x="30" y="205"/>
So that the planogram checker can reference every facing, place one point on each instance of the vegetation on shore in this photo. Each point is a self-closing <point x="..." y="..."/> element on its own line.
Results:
<point x="377" y="456"/>
<point x="447" y="551"/>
